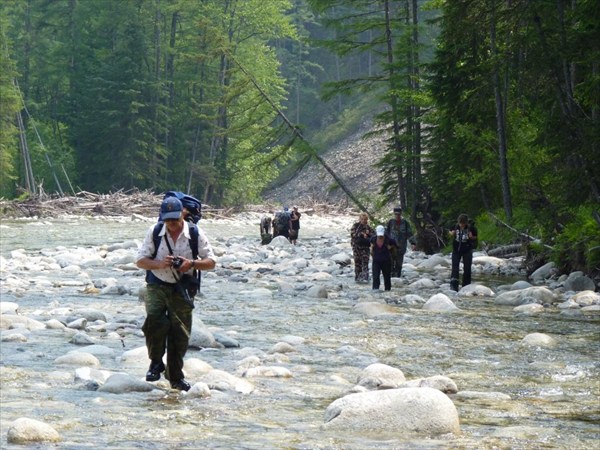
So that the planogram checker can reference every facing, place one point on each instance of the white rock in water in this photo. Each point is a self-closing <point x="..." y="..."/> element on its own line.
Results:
<point x="223" y="381"/>
<point x="268" y="371"/>
<point x="587" y="298"/>
<point x="280" y="242"/>
<point x="317" y="292"/>
<point x="529" y="309"/>
<point x="199" y="390"/>
<point x="282" y="347"/>
<point x="195" y="368"/>
<point x="9" y="307"/>
<point x="380" y="376"/>
<point x="536" y="294"/>
<point x="477" y="395"/>
<point x="440" y="302"/>
<point x="136" y="357"/>
<point x="27" y="431"/>
<point x="78" y="359"/>
<point x="13" y="321"/>
<point x="120" y="383"/>
<point x="424" y="411"/>
<point x="433" y="261"/>
<point x="423" y="283"/>
<point x="539" y="340"/>
<point x="476" y="290"/>
<point x="439" y="382"/>
<point x="54" y="324"/>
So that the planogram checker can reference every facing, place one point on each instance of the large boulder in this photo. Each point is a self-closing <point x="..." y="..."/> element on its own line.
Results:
<point x="440" y="302"/>
<point x="536" y="294"/>
<point x="28" y="431"/>
<point x="578" y="281"/>
<point x="544" y="272"/>
<point x="423" y="411"/>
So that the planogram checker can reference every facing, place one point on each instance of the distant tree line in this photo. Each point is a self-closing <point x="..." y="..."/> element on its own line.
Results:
<point x="487" y="105"/>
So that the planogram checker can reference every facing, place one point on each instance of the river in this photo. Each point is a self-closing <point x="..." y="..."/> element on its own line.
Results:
<point x="554" y="391"/>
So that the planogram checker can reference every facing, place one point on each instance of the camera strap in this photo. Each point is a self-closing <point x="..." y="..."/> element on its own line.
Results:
<point x="177" y="279"/>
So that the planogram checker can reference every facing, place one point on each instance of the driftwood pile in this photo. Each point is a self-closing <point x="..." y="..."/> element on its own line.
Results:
<point x="121" y="203"/>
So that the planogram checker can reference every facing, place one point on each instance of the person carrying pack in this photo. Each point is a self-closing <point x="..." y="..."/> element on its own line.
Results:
<point x="464" y="240"/>
<point x="282" y="223"/>
<point x="170" y="256"/>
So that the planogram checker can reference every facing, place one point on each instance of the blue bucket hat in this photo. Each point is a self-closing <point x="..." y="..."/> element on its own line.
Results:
<point x="170" y="208"/>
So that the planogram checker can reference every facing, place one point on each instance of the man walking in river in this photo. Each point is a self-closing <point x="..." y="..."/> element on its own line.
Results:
<point x="169" y="304"/>
<point x="400" y="231"/>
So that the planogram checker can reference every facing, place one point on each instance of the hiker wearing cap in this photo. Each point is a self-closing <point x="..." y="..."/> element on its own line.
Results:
<point x="400" y="231"/>
<point x="381" y="246"/>
<point x="168" y="321"/>
<point x="360" y="240"/>
<point x="464" y="238"/>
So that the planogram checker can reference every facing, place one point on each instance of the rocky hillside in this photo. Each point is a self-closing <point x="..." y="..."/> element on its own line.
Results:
<point x="352" y="160"/>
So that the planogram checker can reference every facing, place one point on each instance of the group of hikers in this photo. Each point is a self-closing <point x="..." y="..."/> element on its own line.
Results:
<point x="175" y="251"/>
<point x="385" y="247"/>
<point x="284" y="223"/>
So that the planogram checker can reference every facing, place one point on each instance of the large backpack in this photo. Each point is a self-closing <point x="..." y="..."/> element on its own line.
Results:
<point x="282" y="221"/>
<point x="192" y="204"/>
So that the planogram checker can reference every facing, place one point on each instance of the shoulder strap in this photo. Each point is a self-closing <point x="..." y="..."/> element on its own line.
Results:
<point x="193" y="239"/>
<point x="156" y="238"/>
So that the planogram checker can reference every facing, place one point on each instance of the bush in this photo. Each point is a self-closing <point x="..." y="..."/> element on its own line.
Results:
<point x="577" y="246"/>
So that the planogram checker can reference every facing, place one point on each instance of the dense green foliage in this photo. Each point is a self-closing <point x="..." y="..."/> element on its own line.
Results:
<point x="487" y="105"/>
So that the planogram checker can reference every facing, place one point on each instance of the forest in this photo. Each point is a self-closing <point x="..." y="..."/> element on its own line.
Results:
<point x="488" y="107"/>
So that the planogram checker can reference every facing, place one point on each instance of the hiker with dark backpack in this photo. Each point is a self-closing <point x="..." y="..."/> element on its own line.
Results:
<point x="464" y="240"/>
<point x="171" y="263"/>
<point x="282" y="223"/>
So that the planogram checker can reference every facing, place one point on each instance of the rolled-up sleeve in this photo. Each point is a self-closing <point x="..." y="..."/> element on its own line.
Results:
<point x="205" y="250"/>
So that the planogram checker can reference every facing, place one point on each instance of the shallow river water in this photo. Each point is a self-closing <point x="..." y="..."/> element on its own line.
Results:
<point x="554" y="392"/>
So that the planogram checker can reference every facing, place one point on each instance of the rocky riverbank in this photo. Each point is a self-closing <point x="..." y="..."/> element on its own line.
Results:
<point x="287" y="326"/>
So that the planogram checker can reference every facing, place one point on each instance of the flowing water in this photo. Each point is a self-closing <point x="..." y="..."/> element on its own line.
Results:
<point x="554" y="392"/>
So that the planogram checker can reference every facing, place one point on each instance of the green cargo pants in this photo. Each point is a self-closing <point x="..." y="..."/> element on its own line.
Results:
<point x="168" y="326"/>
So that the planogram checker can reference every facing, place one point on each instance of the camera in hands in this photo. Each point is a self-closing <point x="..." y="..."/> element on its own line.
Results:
<point x="177" y="262"/>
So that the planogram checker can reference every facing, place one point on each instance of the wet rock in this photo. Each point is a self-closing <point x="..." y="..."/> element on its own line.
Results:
<point x="202" y="338"/>
<point x="267" y="371"/>
<point x="529" y="309"/>
<point x="225" y="340"/>
<point x="434" y="261"/>
<point x="536" y="294"/>
<point x="282" y="347"/>
<point x="78" y="324"/>
<point x="13" y="336"/>
<point x="423" y="283"/>
<point x="407" y="300"/>
<point x="578" y="281"/>
<point x="317" y="291"/>
<point x="82" y="338"/>
<point x="27" y="431"/>
<point x="374" y="309"/>
<point x="78" y="359"/>
<point x="8" y="321"/>
<point x="223" y="381"/>
<point x="439" y="382"/>
<point x="380" y="376"/>
<point x="120" y="383"/>
<point x="199" y="390"/>
<point x="440" y="302"/>
<point x="538" y="340"/>
<point x="9" y="308"/>
<point x="136" y="357"/>
<point x="342" y="259"/>
<point x="54" y="324"/>
<point x="195" y="368"/>
<point x="423" y="411"/>
<point x="544" y="272"/>
<point x="91" y="374"/>
<point x="476" y="290"/>
<point x="477" y="395"/>
<point x="586" y="298"/>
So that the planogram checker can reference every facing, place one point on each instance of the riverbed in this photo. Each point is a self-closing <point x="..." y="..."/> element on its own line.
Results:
<point x="551" y="395"/>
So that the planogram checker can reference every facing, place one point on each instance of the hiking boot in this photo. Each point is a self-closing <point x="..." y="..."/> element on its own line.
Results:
<point x="181" y="385"/>
<point x="153" y="374"/>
